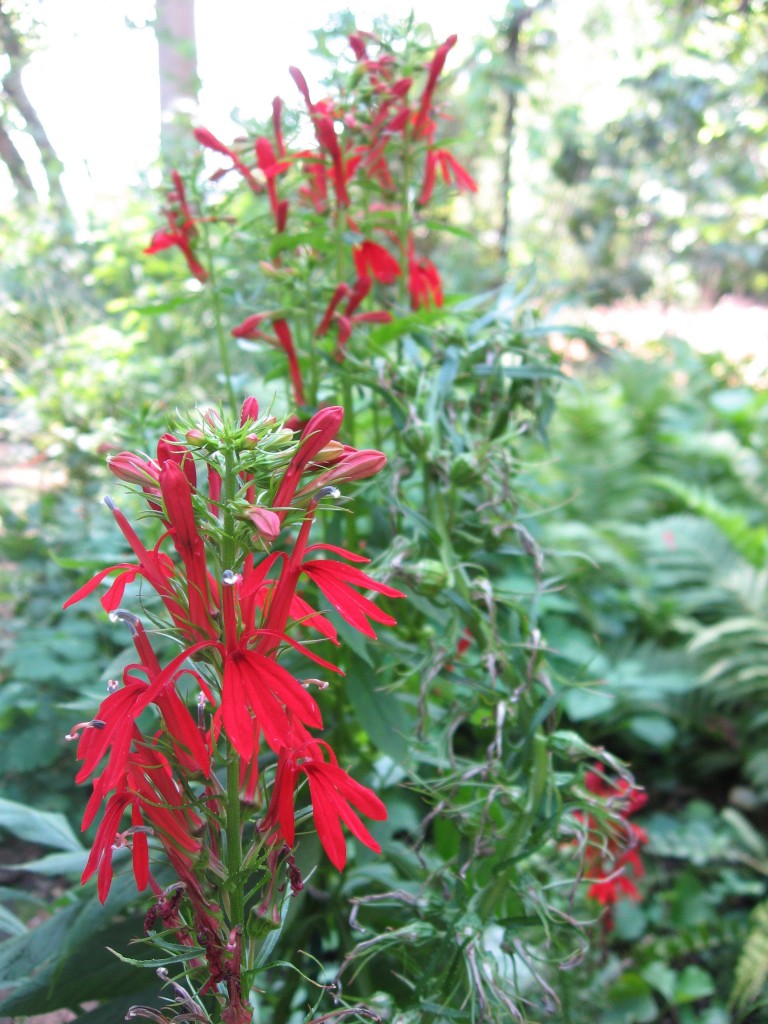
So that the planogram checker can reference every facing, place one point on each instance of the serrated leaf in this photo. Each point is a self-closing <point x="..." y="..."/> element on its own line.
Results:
<point x="155" y="962"/>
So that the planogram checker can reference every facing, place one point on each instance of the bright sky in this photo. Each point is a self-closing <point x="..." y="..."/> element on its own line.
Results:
<point x="94" y="80"/>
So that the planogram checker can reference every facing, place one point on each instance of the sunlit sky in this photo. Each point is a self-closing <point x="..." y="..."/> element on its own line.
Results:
<point x="94" y="78"/>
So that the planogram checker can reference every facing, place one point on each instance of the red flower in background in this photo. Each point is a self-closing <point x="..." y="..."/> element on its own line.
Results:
<point x="282" y="338"/>
<point x="450" y="168"/>
<point x="608" y="862"/>
<point x="345" y="320"/>
<point x="424" y="284"/>
<point x="181" y="229"/>
<point x="435" y="69"/>
<point x="373" y="260"/>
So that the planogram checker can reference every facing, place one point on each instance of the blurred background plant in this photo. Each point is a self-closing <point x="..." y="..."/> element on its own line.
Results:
<point x="585" y="560"/>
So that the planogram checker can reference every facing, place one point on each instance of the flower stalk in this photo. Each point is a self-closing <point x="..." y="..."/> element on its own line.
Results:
<point x="234" y="603"/>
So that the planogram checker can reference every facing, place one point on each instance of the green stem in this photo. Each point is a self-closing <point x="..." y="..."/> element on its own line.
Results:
<point x="234" y="823"/>
<point x="404" y="231"/>
<point x="234" y="842"/>
<point x="346" y="385"/>
<point x="222" y="339"/>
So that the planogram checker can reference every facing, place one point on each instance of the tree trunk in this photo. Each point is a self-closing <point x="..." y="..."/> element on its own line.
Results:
<point x="512" y="31"/>
<point x="179" y="82"/>
<point x="15" y="94"/>
<point x="25" y="190"/>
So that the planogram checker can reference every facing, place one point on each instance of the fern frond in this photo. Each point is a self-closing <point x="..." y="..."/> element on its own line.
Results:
<point x="751" y="971"/>
<point x="750" y="541"/>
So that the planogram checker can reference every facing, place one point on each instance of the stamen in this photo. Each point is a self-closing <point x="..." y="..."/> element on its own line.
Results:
<point x="328" y="492"/>
<point x="230" y="578"/>
<point x="128" y="618"/>
<point x="109" y="503"/>
<point x="122" y="838"/>
<point x="321" y="684"/>
<point x="74" y="733"/>
<point x="112" y="685"/>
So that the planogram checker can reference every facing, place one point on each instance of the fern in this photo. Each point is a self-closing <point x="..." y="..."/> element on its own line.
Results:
<point x="751" y="971"/>
<point x="750" y="541"/>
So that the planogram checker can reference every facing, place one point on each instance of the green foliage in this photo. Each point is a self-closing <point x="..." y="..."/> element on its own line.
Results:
<point x="585" y="556"/>
<point x="752" y="967"/>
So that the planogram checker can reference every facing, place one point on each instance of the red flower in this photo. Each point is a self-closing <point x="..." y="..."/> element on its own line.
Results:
<point x="346" y="320"/>
<point x="373" y="260"/>
<point x="607" y="861"/>
<point x="315" y="435"/>
<point x="353" y="465"/>
<point x="335" y="797"/>
<point x="424" y="284"/>
<point x="177" y="499"/>
<point x="336" y="580"/>
<point x="323" y="119"/>
<point x="155" y="797"/>
<point x="435" y="68"/>
<point x="256" y="683"/>
<point x="182" y="229"/>
<point x="441" y="159"/>
<point x="209" y="140"/>
<point x="282" y="338"/>
<point x="271" y="168"/>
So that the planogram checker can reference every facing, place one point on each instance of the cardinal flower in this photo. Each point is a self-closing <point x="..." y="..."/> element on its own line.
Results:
<point x="336" y="797"/>
<point x="435" y="69"/>
<point x="181" y="229"/>
<point x="450" y="168"/>
<point x="424" y="284"/>
<point x="615" y="863"/>
<point x="337" y="581"/>
<point x="155" y="798"/>
<point x="373" y="260"/>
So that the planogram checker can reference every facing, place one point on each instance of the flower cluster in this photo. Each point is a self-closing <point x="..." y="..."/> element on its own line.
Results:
<point x="614" y="862"/>
<point x="237" y="503"/>
<point x="374" y="166"/>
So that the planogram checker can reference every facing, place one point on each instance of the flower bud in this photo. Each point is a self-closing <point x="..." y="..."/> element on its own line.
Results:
<point x="249" y="411"/>
<point x="429" y="575"/>
<point x="266" y="521"/>
<point x="134" y="470"/>
<point x="464" y="470"/>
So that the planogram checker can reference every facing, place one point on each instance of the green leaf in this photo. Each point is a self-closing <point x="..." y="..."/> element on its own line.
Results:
<point x="383" y="716"/>
<point x="10" y="924"/>
<point x="582" y="704"/>
<point x="45" y="828"/>
<point x="692" y="984"/>
<point x="116" y="1009"/>
<point x="661" y="977"/>
<point x="56" y="864"/>
<point x="21" y="955"/>
<point x="653" y="729"/>
<point x="88" y="972"/>
<point x="630" y="1002"/>
<point x="185" y="953"/>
